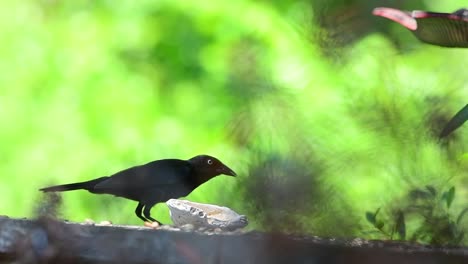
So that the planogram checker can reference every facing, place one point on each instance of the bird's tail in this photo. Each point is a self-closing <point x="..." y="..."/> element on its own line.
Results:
<point x="87" y="185"/>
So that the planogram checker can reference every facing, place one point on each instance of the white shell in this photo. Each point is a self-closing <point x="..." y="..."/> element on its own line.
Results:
<point x="207" y="216"/>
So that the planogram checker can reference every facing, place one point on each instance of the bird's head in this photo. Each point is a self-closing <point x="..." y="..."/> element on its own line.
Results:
<point x="209" y="167"/>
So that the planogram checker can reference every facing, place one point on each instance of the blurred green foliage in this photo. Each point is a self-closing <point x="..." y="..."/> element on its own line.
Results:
<point x="427" y="213"/>
<point x="88" y="88"/>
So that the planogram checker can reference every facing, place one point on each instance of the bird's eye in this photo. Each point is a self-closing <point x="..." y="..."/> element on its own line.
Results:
<point x="209" y="162"/>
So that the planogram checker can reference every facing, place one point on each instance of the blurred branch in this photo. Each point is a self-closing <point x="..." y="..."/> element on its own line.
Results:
<point x="50" y="241"/>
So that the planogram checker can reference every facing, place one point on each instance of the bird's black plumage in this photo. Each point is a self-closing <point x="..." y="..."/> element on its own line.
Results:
<point x="154" y="182"/>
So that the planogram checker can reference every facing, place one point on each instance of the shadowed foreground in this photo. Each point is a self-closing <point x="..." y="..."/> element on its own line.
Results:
<point x="57" y="242"/>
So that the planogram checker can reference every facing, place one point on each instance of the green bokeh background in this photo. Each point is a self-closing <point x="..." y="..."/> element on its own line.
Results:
<point x="88" y="88"/>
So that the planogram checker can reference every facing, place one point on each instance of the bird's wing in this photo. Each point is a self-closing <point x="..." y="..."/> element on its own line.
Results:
<point x="153" y="174"/>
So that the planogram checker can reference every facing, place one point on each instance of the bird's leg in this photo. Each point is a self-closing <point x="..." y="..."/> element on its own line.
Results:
<point x="138" y="212"/>
<point x="146" y="213"/>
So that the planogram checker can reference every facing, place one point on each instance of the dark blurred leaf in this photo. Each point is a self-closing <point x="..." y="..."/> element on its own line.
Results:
<point x="370" y="217"/>
<point x="456" y="121"/>
<point x="400" y="225"/>
<point x="432" y="190"/>
<point x="379" y="224"/>
<point x="449" y="196"/>
<point x="419" y="194"/>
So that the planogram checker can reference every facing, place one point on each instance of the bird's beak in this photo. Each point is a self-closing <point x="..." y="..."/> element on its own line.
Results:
<point x="227" y="171"/>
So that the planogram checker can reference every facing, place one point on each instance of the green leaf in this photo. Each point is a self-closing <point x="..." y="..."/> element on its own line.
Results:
<point x="449" y="196"/>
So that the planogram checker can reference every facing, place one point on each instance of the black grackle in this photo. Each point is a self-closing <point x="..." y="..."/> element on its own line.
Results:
<point x="154" y="182"/>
